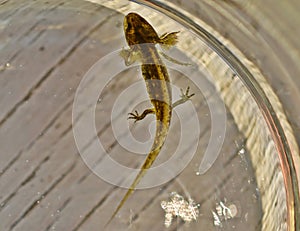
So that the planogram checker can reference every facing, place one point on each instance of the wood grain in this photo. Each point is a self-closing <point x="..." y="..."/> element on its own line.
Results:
<point x="46" y="49"/>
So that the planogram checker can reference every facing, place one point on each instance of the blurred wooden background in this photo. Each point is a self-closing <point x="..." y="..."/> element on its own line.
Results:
<point x="46" y="48"/>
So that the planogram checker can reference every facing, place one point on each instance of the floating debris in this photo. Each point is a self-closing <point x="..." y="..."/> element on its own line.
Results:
<point x="224" y="212"/>
<point x="177" y="206"/>
<point x="5" y="66"/>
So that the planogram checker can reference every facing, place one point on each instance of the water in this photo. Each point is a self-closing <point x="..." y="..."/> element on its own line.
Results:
<point x="224" y="165"/>
<point x="215" y="167"/>
<point x="229" y="72"/>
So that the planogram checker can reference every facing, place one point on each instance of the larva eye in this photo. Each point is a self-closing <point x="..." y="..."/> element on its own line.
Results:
<point x="129" y="26"/>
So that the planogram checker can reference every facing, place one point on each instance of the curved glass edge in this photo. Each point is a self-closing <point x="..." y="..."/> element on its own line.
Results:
<point x="276" y="130"/>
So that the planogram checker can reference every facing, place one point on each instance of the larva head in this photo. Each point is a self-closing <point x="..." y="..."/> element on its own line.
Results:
<point x="138" y="31"/>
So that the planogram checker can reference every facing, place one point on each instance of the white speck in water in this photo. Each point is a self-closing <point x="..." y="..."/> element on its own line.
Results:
<point x="26" y="161"/>
<point x="7" y="64"/>
<point x="38" y="202"/>
<point x="246" y="217"/>
<point x="233" y="210"/>
<point x="197" y="173"/>
<point x="257" y="190"/>
<point x="254" y="196"/>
